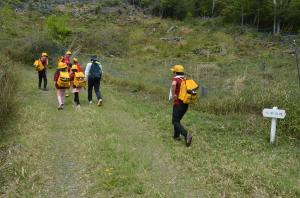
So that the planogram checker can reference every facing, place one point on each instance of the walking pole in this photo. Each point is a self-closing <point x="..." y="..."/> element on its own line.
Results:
<point x="297" y="60"/>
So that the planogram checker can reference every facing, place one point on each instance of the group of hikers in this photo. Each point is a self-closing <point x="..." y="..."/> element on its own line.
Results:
<point x="69" y="74"/>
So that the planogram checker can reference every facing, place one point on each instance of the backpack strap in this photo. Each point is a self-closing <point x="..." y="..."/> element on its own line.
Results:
<point x="182" y="79"/>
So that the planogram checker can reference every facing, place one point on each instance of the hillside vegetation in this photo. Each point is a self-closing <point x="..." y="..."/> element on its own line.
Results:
<point x="244" y="71"/>
<point x="240" y="72"/>
<point x="277" y="16"/>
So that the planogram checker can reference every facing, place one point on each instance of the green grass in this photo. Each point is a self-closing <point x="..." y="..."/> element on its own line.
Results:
<point x="8" y="84"/>
<point x="125" y="149"/>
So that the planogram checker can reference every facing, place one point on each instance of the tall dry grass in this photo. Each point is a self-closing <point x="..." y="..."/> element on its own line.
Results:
<point x="8" y="85"/>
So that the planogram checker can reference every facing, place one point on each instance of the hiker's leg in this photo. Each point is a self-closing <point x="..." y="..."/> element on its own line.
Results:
<point x="97" y="88"/>
<point x="40" y="79"/>
<point x="90" y="89"/>
<point x="78" y="101"/>
<point x="181" y="112"/>
<point x="63" y="96"/>
<point x="59" y="96"/>
<point x="176" y="121"/>
<point x="76" y="98"/>
<point x="45" y="78"/>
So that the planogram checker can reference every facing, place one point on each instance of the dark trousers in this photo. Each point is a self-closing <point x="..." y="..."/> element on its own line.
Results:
<point x="178" y="113"/>
<point x="42" y="75"/>
<point x="94" y="83"/>
<point x="76" y="98"/>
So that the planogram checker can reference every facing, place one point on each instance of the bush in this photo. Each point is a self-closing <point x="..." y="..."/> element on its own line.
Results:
<point x="8" y="90"/>
<point x="28" y="49"/>
<point x="57" y="27"/>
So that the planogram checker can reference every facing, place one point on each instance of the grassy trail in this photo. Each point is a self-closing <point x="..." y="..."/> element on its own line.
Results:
<point x="124" y="149"/>
<point x="91" y="151"/>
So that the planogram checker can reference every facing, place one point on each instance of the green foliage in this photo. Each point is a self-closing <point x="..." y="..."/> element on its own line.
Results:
<point x="7" y="18"/>
<point x="27" y="52"/>
<point x="58" y="27"/>
<point x="24" y="44"/>
<point x="229" y="131"/>
<point x="259" y="13"/>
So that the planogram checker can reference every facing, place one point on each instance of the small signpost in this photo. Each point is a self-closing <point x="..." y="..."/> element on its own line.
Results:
<point x="275" y="114"/>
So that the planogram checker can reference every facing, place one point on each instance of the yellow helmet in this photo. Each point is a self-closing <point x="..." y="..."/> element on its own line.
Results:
<point x="75" y="60"/>
<point x="74" y="67"/>
<point x="178" y="68"/>
<point x="45" y="54"/>
<point x="61" y="65"/>
<point x="69" y="53"/>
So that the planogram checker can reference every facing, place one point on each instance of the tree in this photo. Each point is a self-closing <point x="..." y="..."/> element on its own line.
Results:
<point x="263" y="14"/>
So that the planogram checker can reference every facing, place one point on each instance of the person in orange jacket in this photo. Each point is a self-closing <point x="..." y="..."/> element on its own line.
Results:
<point x="41" y="66"/>
<point x="179" y="108"/>
<point x="75" y="89"/>
<point x="67" y="61"/>
<point x="60" y="91"/>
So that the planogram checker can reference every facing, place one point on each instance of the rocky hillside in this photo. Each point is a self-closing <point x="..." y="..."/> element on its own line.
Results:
<point x="47" y="6"/>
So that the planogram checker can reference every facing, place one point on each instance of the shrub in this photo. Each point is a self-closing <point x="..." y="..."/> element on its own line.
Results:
<point x="28" y="49"/>
<point x="57" y="27"/>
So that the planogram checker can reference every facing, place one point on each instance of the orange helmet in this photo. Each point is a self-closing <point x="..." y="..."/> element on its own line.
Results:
<point x="61" y="65"/>
<point x="74" y="67"/>
<point x="177" y="68"/>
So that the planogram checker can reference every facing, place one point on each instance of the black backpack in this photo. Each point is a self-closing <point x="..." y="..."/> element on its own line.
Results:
<point x="95" y="71"/>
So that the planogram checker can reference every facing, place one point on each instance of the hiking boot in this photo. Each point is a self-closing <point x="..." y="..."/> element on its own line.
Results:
<point x="100" y="102"/>
<point x="60" y="107"/>
<point x="188" y="140"/>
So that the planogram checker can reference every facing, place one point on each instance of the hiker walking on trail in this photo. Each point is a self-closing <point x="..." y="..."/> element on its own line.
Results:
<point x="62" y="82"/>
<point x="78" y="82"/>
<point x="179" y="108"/>
<point x="75" y="62"/>
<point x="41" y="66"/>
<point x="93" y="74"/>
<point x="67" y="60"/>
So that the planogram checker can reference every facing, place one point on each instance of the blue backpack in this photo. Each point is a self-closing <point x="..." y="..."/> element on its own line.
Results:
<point x="95" y="71"/>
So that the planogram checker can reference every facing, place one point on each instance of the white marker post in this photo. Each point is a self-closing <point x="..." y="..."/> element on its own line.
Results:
<point x="275" y="114"/>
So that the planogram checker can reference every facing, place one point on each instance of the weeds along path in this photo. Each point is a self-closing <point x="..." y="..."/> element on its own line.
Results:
<point x="124" y="149"/>
<point x="91" y="151"/>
